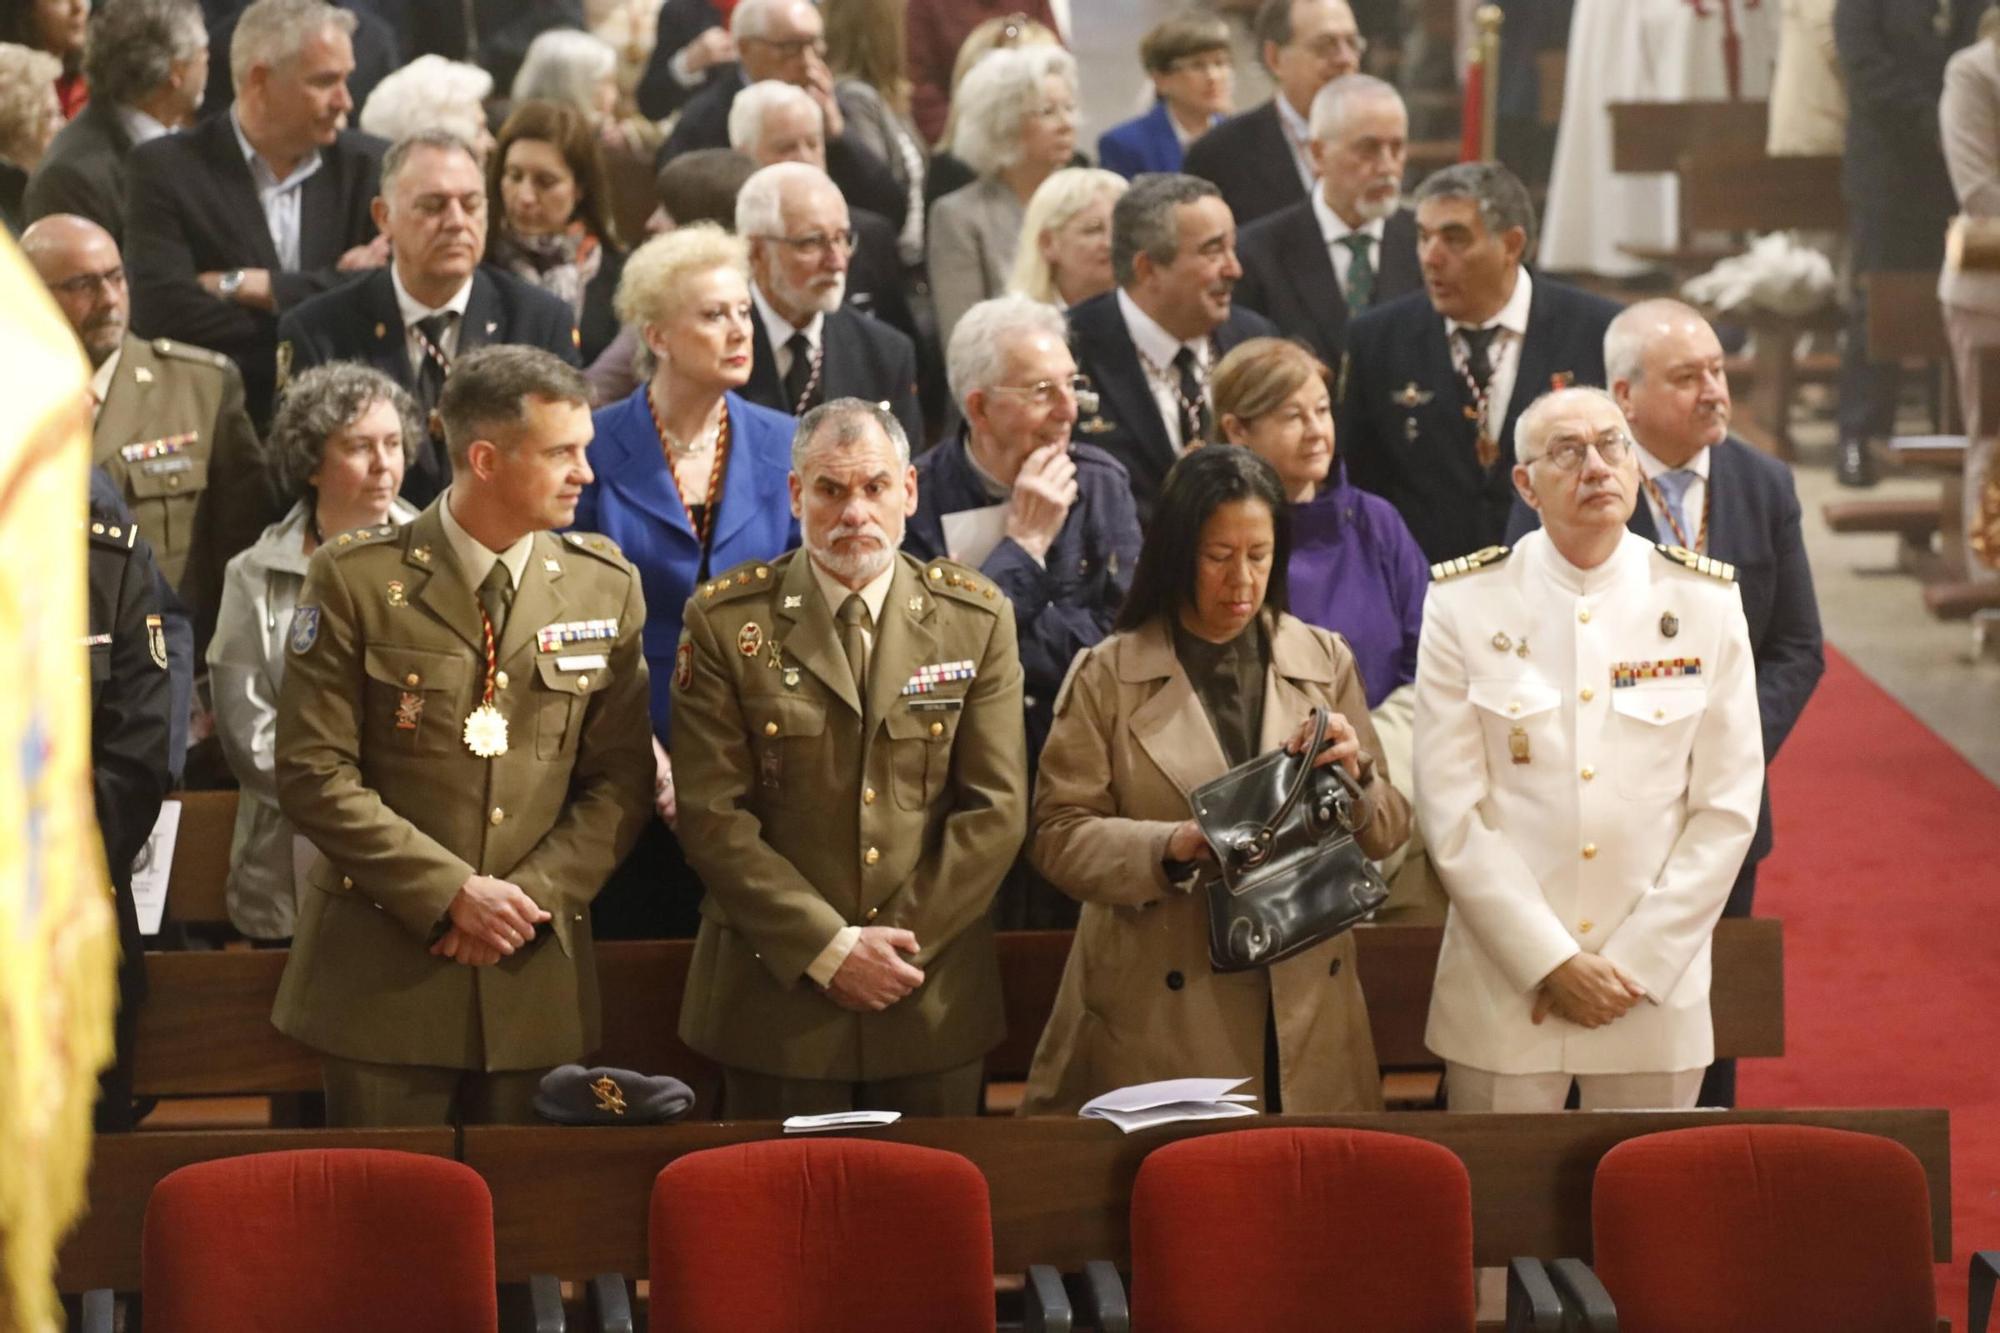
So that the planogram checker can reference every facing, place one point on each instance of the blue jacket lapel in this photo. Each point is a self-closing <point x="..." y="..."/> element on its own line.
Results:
<point x="637" y="466"/>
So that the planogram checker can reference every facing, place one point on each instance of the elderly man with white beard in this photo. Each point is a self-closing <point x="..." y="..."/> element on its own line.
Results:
<point x="811" y="349"/>
<point x="853" y="785"/>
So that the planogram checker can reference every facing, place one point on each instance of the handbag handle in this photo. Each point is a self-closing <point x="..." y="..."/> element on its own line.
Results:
<point x="1253" y="848"/>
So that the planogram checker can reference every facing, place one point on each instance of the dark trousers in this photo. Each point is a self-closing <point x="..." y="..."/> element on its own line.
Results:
<point x="653" y="895"/>
<point x="1718" y="1086"/>
<point x="1883" y="240"/>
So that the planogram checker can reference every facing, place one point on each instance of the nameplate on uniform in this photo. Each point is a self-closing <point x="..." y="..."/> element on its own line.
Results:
<point x="585" y="662"/>
<point x="1627" y="674"/>
<point x="160" y="467"/>
<point x="928" y="678"/>
<point x="936" y="705"/>
<point x="96" y="640"/>
<point x="171" y="444"/>
<point x="549" y="638"/>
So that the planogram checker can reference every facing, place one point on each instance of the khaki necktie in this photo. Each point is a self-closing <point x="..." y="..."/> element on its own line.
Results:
<point x="496" y="594"/>
<point x="853" y="617"/>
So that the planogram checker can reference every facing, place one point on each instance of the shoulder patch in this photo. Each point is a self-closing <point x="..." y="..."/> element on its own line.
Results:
<point x="738" y="582"/>
<point x="1484" y="558"/>
<point x="1700" y="564"/>
<point x="949" y="578"/>
<point x="119" y="536"/>
<point x="305" y="629"/>
<point x="591" y="543"/>
<point x="360" y="537"/>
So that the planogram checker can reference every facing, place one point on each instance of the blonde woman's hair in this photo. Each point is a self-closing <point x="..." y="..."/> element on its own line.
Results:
<point x="995" y="34"/>
<point x="998" y="96"/>
<point x="1055" y="201"/>
<point x="1258" y="376"/>
<point x="652" y="288"/>
<point x="26" y="76"/>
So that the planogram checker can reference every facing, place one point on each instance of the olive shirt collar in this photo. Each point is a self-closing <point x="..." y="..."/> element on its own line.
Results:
<point x="474" y="557"/>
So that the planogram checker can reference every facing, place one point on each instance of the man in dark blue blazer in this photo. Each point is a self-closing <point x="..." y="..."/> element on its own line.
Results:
<point x="1435" y="380"/>
<point x="1189" y="61"/>
<point x="1149" y="345"/>
<point x="1707" y="491"/>
<point x="691" y="46"/>
<point x="1350" y="246"/>
<point x="434" y="302"/>
<point x="809" y="347"/>
<point x="1259" y="159"/>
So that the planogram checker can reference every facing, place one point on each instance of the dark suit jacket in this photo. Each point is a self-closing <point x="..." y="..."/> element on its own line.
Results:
<point x="191" y="207"/>
<point x="1143" y="143"/>
<point x="598" y="324"/>
<point x="1250" y="161"/>
<point x="83" y="171"/>
<point x="1288" y="274"/>
<point x="1403" y="428"/>
<point x="1893" y="59"/>
<point x="864" y="179"/>
<point x="861" y="358"/>
<point x="1127" y="422"/>
<point x="361" y="322"/>
<point x="875" y="281"/>
<point x="1753" y="523"/>
<point x="681" y="21"/>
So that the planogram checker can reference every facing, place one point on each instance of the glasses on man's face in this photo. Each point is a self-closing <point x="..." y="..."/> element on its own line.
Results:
<point x="815" y="245"/>
<point x="1567" y="452"/>
<point x="1330" y="46"/>
<point x="1044" y="393"/>
<point x="88" y="284"/>
<point x="795" y="47"/>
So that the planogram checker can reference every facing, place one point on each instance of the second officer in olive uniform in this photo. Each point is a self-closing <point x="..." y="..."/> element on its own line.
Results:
<point x="847" y="739"/>
<point x="462" y="731"/>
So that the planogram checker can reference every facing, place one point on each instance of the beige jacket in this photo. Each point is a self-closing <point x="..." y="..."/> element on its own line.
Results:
<point x="1139" y="1000"/>
<point x="1808" y="99"/>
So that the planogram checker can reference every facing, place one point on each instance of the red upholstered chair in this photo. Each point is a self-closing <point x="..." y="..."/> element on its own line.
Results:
<point x="330" y="1239"/>
<point x="1764" y="1229"/>
<point x="821" y="1236"/>
<point x="1302" y="1231"/>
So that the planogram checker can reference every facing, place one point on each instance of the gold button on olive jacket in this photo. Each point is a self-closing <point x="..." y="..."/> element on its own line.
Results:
<point x="800" y="825"/>
<point x="384" y="662"/>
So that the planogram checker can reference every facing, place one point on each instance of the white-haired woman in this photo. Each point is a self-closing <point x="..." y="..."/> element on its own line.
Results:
<point x="1016" y="126"/>
<point x="1066" y="233"/>
<point x="30" y="115"/>
<point x="340" y="441"/>
<point x="432" y="93"/>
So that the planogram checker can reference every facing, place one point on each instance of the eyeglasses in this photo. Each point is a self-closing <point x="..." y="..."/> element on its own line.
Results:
<point x="87" y="284"/>
<point x="1331" y="45"/>
<point x="795" y="47"/>
<point x="1567" y="454"/>
<point x="814" y="245"/>
<point x="1216" y="63"/>
<point x="1043" y="393"/>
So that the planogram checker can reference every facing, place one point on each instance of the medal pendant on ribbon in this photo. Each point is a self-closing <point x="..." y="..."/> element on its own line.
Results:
<point x="1486" y="449"/>
<point x="486" y="732"/>
<point x="1517" y="744"/>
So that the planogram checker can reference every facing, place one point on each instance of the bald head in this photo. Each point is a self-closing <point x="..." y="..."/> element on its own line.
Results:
<point x="1666" y="370"/>
<point x="79" y="263"/>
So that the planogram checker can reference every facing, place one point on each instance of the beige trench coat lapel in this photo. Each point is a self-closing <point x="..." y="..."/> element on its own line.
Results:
<point x="1171" y="727"/>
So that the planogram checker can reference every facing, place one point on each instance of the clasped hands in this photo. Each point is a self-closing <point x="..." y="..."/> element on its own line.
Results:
<point x="490" y="919"/>
<point x="1588" y="991"/>
<point x="874" y="976"/>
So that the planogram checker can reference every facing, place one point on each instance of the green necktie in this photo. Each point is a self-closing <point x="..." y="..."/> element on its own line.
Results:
<point x="496" y="594"/>
<point x="1360" y="273"/>
<point x="853" y="616"/>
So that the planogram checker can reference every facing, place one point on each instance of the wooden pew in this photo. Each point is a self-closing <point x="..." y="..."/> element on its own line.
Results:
<point x="205" y="1028"/>
<point x="573" y="1202"/>
<point x="199" y="876"/>
<point x="1652" y="136"/>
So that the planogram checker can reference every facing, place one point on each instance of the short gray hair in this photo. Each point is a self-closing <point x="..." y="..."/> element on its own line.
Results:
<point x="1532" y="427"/>
<point x="429" y="93"/>
<point x="979" y="340"/>
<point x="760" y="204"/>
<point x="996" y="96"/>
<point x="398" y="156"/>
<point x="488" y="390"/>
<point x="271" y="32"/>
<point x="133" y="45"/>
<point x="752" y="18"/>
<point x="1630" y="330"/>
<point x="1142" y="221"/>
<point x="747" y="112"/>
<point x="318" y="402"/>
<point x="1331" y="104"/>
<point x="565" y="65"/>
<point x="844" y="422"/>
<point x="1502" y="199"/>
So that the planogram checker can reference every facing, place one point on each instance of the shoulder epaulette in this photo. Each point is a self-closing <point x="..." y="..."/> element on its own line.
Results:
<point x="359" y="537"/>
<point x="189" y="352"/>
<point x="121" y="535"/>
<point x="948" y="576"/>
<point x="752" y="574"/>
<point x="1700" y="564"/>
<point x="591" y="543"/>
<point x="1485" y="558"/>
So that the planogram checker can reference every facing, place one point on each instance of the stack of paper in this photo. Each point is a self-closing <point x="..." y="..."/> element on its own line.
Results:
<point x="813" y="1124"/>
<point x="1144" y="1105"/>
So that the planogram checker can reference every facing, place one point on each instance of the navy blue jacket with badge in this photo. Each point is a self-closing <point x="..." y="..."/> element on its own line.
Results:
<point x="1068" y="601"/>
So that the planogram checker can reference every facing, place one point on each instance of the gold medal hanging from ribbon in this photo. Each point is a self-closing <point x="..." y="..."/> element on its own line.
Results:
<point x="486" y="729"/>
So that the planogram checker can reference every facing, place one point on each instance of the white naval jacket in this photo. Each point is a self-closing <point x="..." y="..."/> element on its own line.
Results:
<point x="1624" y="828"/>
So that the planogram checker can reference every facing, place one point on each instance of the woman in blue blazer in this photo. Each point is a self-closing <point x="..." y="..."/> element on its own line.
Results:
<point x="690" y="480"/>
<point x="1189" y="61"/>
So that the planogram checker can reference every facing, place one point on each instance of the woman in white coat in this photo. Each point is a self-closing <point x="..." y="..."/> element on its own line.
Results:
<point x="340" y="441"/>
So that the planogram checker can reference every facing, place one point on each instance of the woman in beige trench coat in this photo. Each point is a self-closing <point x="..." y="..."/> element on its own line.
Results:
<point x="1134" y="734"/>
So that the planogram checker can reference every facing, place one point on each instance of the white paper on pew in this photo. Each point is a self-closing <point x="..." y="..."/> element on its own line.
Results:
<point x="1131" y="1121"/>
<point x="813" y="1124"/>
<point x="152" y="866"/>
<point x="1166" y="1092"/>
<point x="971" y="534"/>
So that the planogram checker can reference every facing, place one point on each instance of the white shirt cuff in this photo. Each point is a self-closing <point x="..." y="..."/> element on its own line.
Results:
<point x="677" y="65"/>
<point x="822" y="968"/>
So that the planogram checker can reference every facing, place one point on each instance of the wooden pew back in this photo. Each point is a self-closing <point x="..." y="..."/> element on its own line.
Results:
<point x="199" y="876"/>
<point x="1726" y="191"/>
<point x="1651" y="136"/>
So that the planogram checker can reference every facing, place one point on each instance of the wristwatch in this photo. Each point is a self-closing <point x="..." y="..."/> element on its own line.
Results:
<point x="229" y="284"/>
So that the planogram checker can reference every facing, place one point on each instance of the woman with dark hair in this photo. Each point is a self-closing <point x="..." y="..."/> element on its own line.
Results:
<point x="341" y="438"/>
<point x="1205" y="671"/>
<point x="551" y="223"/>
<point x="58" y="27"/>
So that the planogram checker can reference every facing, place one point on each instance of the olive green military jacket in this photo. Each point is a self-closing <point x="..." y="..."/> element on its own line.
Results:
<point x="799" y="824"/>
<point x="383" y="665"/>
<point x="174" y="436"/>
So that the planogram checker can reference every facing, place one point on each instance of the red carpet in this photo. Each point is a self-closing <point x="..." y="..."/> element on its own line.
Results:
<point x="1888" y="853"/>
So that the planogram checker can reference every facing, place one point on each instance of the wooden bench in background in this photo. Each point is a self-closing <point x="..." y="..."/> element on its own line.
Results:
<point x="1654" y="137"/>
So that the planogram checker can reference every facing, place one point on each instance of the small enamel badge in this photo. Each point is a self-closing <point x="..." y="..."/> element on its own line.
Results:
<point x="1670" y="624"/>
<point x="409" y="710"/>
<point x="394" y="592"/>
<point x="750" y="639"/>
<point x="305" y="629"/>
<point x="1410" y="396"/>
<point x="684" y="665"/>
<point x="1517" y="744"/>
<point x="793" y="601"/>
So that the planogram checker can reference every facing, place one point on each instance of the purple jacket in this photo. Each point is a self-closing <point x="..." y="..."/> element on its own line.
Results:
<point x="1356" y="570"/>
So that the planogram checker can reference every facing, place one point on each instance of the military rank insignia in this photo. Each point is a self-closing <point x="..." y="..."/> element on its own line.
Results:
<point x="409" y="710"/>
<point x="305" y="629"/>
<point x="928" y="678"/>
<point x="156" y="641"/>
<point x="1624" y="675"/>
<point x="684" y="665"/>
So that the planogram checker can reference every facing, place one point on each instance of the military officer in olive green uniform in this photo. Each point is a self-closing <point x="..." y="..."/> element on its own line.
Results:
<point x="462" y="731"/>
<point x="171" y="428"/>
<point x="847" y="740"/>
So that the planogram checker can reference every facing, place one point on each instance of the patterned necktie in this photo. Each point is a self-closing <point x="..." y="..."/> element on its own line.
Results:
<point x="800" y="377"/>
<point x="853" y="616"/>
<point x="1673" y="487"/>
<point x="1360" y="271"/>
<point x="496" y="594"/>
<point x="1478" y="358"/>
<point x="1196" y="421"/>
<point x="430" y="371"/>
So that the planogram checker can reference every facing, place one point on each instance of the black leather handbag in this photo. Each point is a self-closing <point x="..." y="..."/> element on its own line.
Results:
<point x="1292" y="873"/>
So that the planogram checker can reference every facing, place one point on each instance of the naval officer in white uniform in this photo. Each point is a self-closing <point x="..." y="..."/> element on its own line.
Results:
<point x="1589" y="758"/>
